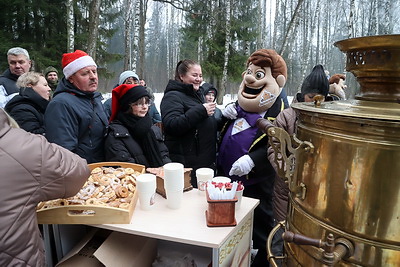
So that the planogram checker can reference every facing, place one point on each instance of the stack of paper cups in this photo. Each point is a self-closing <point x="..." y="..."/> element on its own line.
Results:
<point x="203" y="175"/>
<point x="146" y="187"/>
<point x="173" y="184"/>
<point x="239" y="195"/>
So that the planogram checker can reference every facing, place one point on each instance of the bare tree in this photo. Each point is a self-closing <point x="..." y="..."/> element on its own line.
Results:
<point x="70" y="26"/>
<point x="228" y="38"/>
<point x="94" y="22"/>
<point x="291" y="27"/>
<point x="128" y="17"/>
<point x="135" y="36"/>
<point x="142" y="37"/>
<point x="351" y="21"/>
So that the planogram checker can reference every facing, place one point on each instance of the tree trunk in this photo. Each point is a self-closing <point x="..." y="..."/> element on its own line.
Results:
<point x="70" y="26"/>
<point x="226" y="54"/>
<point x="94" y="22"/>
<point x="291" y="27"/>
<point x="127" y="32"/>
<point x="142" y="37"/>
<point x="350" y="25"/>
<point x="135" y="36"/>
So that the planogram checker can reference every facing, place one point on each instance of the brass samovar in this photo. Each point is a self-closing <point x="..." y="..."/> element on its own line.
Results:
<point x="343" y="167"/>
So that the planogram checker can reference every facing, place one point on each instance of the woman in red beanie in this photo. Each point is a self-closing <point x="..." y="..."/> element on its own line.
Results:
<point x="132" y="137"/>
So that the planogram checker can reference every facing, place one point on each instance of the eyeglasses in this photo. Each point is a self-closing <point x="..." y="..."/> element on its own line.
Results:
<point x="141" y="104"/>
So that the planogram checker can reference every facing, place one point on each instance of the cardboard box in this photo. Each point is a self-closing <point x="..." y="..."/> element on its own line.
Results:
<point x="107" y="248"/>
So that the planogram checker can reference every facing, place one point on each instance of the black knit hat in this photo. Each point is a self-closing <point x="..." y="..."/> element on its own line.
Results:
<point x="316" y="82"/>
<point x="124" y="95"/>
<point x="208" y="87"/>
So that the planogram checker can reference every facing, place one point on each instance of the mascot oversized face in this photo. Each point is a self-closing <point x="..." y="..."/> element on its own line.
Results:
<point x="262" y="81"/>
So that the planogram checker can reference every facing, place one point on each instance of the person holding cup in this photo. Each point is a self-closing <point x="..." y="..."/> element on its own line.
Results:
<point x="132" y="137"/>
<point x="189" y="125"/>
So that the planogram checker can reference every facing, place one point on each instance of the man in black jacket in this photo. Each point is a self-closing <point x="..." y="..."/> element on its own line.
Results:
<point x="19" y="63"/>
<point x="75" y="118"/>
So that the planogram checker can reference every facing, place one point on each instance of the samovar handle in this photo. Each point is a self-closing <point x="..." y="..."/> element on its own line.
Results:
<point x="334" y="250"/>
<point x="271" y="257"/>
<point x="286" y="149"/>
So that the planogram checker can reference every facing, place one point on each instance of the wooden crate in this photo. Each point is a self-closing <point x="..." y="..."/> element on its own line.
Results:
<point x="94" y="214"/>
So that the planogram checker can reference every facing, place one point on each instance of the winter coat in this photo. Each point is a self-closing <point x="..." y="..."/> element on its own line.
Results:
<point x="121" y="146"/>
<point x="154" y="114"/>
<point x="77" y="121"/>
<point x="32" y="170"/>
<point x="286" y="120"/>
<point x="28" y="109"/>
<point x="9" y="81"/>
<point x="190" y="134"/>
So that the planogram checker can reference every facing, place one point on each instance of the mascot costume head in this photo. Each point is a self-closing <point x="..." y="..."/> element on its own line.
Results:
<point x="262" y="81"/>
<point x="337" y="86"/>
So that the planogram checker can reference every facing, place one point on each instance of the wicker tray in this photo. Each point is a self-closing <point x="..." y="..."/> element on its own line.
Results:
<point x="91" y="214"/>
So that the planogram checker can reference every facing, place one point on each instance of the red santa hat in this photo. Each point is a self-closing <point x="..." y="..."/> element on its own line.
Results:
<point x="124" y="95"/>
<point x="72" y="62"/>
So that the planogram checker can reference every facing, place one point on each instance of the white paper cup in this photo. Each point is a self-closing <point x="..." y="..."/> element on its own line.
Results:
<point x="146" y="200"/>
<point x="239" y="195"/>
<point x="146" y="182"/>
<point x="221" y="179"/>
<point x="173" y="176"/>
<point x="203" y="175"/>
<point x="146" y="187"/>
<point x="174" y="199"/>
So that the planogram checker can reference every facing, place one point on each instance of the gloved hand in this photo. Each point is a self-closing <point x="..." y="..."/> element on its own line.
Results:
<point x="230" y="111"/>
<point x="242" y="166"/>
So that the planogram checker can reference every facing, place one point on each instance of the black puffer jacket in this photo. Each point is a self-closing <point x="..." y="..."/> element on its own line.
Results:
<point x="190" y="134"/>
<point x="9" y="80"/>
<point x="121" y="146"/>
<point x="77" y="121"/>
<point x="28" y="109"/>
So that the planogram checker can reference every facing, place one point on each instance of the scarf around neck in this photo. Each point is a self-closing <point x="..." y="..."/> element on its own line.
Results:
<point x="140" y="130"/>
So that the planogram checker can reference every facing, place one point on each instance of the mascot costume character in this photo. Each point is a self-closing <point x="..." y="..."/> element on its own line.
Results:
<point x="243" y="147"/>
<point x="337" y="87"/>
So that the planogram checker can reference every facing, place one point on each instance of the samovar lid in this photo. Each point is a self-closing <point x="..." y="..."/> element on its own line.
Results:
<point x="375" y="62"/>
<point x="354" y="108"/>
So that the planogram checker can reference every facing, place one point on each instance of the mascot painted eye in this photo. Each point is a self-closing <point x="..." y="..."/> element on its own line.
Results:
<point x="260" y="75"/>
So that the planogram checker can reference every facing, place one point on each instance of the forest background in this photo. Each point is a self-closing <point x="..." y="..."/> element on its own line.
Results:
<point x="151" y="36"/>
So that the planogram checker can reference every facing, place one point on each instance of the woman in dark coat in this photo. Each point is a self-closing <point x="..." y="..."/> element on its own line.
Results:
<point x="28" y="107"/>
<point x="132" y="137"/>
<point x="189" y="125"/>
